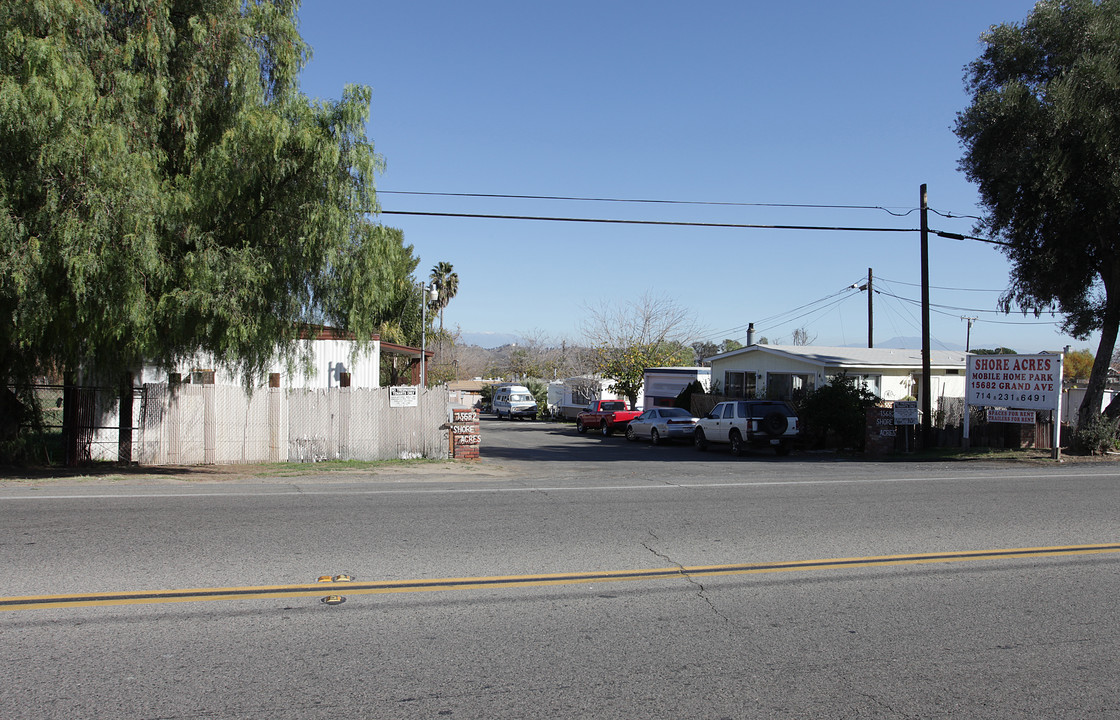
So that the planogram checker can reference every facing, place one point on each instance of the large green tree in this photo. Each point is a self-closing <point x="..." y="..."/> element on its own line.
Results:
<point x="1042" y="142"/>
<point x="165" y="188"/>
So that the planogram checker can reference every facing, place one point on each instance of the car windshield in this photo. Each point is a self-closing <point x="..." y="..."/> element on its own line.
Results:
<point x="518" y="398"/>
<point x="675" y="413"/>
<point x="612" y="406"/>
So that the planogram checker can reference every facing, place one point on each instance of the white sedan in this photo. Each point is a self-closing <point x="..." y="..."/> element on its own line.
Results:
<point x="661" y="424"/>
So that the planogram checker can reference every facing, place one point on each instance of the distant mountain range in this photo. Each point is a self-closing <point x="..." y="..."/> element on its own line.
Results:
<point x="489" y="339"/>
<point x="492" y="340"/>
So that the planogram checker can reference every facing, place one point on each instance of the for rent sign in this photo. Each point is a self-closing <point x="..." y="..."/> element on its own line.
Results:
<point x="1023" y="417"/>
<point x="1031" y="382"/>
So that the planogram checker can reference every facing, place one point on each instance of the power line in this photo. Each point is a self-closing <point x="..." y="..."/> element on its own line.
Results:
<point x="942" y="310"/>
<point x="937" y="287"/>
<point x="582" y="198"/>
<point x="779" y="316"/>
<point x="937" y="305"/>
<point x="831" y="305"/>
<point x="650" y="222"/>
<point x="913" y="322"/>
<point x="951" y="216"/>
<point x="834" y="228"/>
<point x="811" y="206"/>
<point x="774" y="319"/>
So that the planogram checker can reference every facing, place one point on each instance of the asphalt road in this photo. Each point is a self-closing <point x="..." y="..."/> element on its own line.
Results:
<point x="544" y="622"/>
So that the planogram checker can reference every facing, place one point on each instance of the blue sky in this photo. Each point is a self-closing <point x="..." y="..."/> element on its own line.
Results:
<point x="809" y="103"/>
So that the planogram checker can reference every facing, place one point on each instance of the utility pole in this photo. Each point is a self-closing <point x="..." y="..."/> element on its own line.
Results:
<point x="870" y="310"/>
<point x="870" y="313"/>
<point x="927" y="400"/>
<point x="426" y="292"/>
<point x="423" y="337"/>
<point x="968" y="333"/>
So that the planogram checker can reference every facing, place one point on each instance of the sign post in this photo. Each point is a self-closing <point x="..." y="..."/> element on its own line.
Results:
<point x="906" y="413"/>
<point x="1016" y="382"/>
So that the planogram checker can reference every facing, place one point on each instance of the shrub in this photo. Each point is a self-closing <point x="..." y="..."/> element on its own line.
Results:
<point x="839" y="408"/>
<point x="539" y="391"/>
<point x="1098" y="435"/>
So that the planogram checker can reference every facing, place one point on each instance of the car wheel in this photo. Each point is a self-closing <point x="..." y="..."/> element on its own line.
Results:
<point x="630" y="434"/>
<point x="737" y="445"/>
<point x="699" y="440"/>
<point x="654" y="437"/>
<point x="580" y="427"/>
<point x="606" y="429"/>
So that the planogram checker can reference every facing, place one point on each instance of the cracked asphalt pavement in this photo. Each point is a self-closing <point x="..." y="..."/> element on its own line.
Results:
<point x="998" y="637"/>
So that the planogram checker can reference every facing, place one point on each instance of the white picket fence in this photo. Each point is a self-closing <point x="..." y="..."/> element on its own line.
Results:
<point x="217" y="424"/>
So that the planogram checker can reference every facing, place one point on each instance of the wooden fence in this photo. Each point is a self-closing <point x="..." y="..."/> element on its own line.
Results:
<point x="214" y="424"/>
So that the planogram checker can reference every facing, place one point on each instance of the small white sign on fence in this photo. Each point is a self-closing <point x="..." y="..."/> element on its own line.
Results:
<point x="906" y="412"/>
<point x="404" y="396"/>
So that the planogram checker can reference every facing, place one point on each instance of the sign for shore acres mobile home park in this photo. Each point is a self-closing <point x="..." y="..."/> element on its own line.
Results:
<point x="1029" y="382"/>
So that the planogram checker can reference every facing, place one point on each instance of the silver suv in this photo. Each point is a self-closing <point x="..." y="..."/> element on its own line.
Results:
<point x="749" y="423"/>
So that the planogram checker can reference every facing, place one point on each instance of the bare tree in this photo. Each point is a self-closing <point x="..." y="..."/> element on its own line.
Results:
<point x="801" y="337"/>
<point x="651" y="331"/>
<point x="648" y="320"/>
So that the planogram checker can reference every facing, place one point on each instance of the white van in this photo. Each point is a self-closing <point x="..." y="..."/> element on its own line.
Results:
<point x="513" y="401"/>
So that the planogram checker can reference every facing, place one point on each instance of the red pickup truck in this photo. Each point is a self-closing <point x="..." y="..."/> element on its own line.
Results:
<point x="607" y="416"/>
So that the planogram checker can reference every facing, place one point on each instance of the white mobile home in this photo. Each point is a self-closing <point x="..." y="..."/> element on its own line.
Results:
<point x="332" y="355"/>
<point x="581" y="391"/>
<point x="785" y="371"/>
<point x="662" y="385"/>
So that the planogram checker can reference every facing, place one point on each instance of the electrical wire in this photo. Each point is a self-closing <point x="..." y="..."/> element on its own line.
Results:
<point x="677" y="223"/>
<point x="941" y="310"/>
<point x="649" y="222"/>
<point x="831" y="305"/>
<point x="939" y="305"/>
<point x="951" y="216"/>
<point x="908" y="317"/>
<point x="812" y="206"/>
<point x="937" y="287"/>
<point x="745" y="326"/>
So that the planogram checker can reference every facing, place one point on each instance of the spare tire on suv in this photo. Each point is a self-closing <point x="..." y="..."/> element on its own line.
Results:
<point x="774" y="423"/>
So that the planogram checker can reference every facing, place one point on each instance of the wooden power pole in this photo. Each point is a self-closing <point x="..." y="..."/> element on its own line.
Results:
<point x="870" y="312"/>
<point x="927" y="398"/>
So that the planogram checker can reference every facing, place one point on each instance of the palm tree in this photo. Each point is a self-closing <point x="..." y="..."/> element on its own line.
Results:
<point x="446" y="281"/>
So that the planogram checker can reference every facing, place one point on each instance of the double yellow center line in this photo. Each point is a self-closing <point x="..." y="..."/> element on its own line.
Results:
<point x="38" y="602"/>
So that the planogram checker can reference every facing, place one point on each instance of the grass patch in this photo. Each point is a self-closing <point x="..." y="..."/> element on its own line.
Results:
<point x="982" y="453"/>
